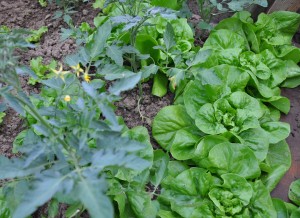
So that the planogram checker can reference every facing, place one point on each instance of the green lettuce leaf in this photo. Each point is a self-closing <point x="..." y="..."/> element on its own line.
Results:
<point x="168" y="122"/>
<point x="277" y="163"/>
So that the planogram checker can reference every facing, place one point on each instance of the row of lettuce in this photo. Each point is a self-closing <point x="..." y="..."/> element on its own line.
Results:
<point x="223" y="132"/>
<point x="224" y="126"/>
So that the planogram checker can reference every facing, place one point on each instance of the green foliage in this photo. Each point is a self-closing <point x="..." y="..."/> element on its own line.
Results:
<point x="2" y="115"/>
<point x="74" y="160"/>
<point x="37" y="66"/>
<point x="294" y="192"/>
<point x="195" y="192"/>
<point x="225" y="122"/>
<point x="36" y="35"/>
<point x="43" y="3"/>
<point x="224" y="135"/>
<point x="210" y="8"/>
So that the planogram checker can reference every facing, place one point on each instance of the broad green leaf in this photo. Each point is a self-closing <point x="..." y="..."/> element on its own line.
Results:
<point x="292" y="74"/>
<point x="295" y="213"/>
<point x="140" y="134"/>
<point x="167" y="122"/>
<point x="145" y="44"/>
<point x="125" y="84"/>
<point x="233" y="158"/>
<point x="200" y="57"/>
<point x="184" y="145"/>
<point x="176" y="77"/>
<point x="212" y="84"/>
<point x="224" y="39"/>
<point x="242" y="4"/>
<point x="105" y="158"/>
<point x="205" y="145"/>
<point x="173" y="4"/>
<point x="278" y="161"/>
<point x="96" y="46"/>
<point x="196" y="95"/>
<point x="176" y="167"/>
<point x="276" y="131"/>
<point x="53" y="208"/>
<point x="169" y="37"/>
<point x="193" y="181"/>
<point x="142" y="205"/>
<point x="160" y="85"/>
<point x="182" y="30"/>
<point x="159" y="168"/>
<point x="113" y="72"/>
<point x="147" y="71"/>
<point x="279" y="102"/>
<point x="280" y="207"/>
<point x="257" y="141"/>
<point x="261" y="202"/>
<point x="93" y="198"/>
<point x="277" y="28"/>
<point x="167" y="214"/>
<point x="4" y="210"/>
<point x="294" y="192"/>
<point x="207" y="122"/>
<point x="14" y="103"/>
<point x="235" y="25"/>
<point x="115" y="53"/>
<point x="42" y="191"/>
<point x="13" y="168"/>
<point x="288" y="52"/>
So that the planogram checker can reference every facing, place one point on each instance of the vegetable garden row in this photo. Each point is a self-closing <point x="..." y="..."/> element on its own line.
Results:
<point x="223" y="146"/>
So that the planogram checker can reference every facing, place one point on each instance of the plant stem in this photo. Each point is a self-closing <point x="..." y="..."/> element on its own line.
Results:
<point x="35" y="114"/>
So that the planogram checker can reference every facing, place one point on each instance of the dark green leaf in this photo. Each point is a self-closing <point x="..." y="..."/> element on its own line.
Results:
<point x="43" y="190"/>
<point x="167" y="122"/>
<point x="159" y="168"/>
<point x="96" y="202"/>
<point x="125" y="84"/>
<point x="96" y="46"/>
<point x="115" y="53"/>
<point x="160" y="85"/>
<point x="279" y="161"/>
<point x="169" y="37"/>
<point x="294" y="192"/>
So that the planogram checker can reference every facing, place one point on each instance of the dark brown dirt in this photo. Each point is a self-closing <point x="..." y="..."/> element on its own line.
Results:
<point x="29" y="14"/>
<point x="150" y="105"/>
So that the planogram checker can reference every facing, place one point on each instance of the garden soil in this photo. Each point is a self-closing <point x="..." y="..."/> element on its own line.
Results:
<point x="29" y="14"/>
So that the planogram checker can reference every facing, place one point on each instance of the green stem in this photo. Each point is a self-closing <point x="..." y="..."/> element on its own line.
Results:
<point x="35" y="114"/>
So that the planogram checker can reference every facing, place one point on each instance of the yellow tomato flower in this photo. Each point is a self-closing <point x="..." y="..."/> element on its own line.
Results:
<point x="77" y="69"/>
<point x="60" y="73"/>
<point x="86" y="77"/>
<point x="67" y="98"/>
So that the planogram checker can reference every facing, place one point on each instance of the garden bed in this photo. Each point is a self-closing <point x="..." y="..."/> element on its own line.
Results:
<point x="30" y="15"/>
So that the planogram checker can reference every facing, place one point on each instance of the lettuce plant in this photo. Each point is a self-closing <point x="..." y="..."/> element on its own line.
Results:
<point x="195" y="192"/>
<point x="263" y="49"/>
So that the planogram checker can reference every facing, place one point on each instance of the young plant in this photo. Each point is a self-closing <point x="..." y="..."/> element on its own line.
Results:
<point x="210" y="8"/>
<point x="74" y="146"/>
